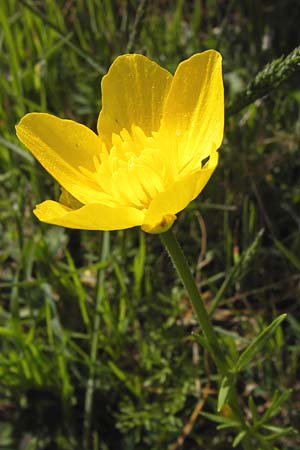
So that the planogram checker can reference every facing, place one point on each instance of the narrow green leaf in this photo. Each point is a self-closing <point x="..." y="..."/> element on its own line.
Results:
<point x="237" y="271"/>
<point x="223" y="420"/>
<point x="17" y="149"/>
<point x="201" y="340"/>
<point x="122" y="376"/>
<point x="231" y="424"/>
<point x="277" y="432"/>
<point x="118" y="372"/>
<point x="275" y="405"/>
<point x="223" y="393"/>
<point x="81" y="293"/>
<point x="258" y="343"/>
<point x="288" y="254"/>
<point x="239" y="438"/>
<point x="253" y="409"/>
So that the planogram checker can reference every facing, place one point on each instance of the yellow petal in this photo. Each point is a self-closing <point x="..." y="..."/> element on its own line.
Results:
<point x="194" y="108"/>
<point x="133" y="93"/>
<point x="177" y="197"/>
<point x="90" y="217"/>
<point x="61" y="146"/>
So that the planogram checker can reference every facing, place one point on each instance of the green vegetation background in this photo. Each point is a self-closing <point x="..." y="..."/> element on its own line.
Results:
<point x="150" y="375"/>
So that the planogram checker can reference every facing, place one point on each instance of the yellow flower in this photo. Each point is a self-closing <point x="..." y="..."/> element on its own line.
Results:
<point x="155" y="150"/>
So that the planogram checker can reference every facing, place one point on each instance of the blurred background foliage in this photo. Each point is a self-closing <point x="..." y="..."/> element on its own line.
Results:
<point x="151" y="378"/>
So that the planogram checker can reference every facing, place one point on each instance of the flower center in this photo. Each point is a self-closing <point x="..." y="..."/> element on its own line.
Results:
<point x="134" y="170"/>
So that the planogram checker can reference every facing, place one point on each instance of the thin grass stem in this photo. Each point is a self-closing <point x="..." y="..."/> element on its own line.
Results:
<point x="88" y="405"/>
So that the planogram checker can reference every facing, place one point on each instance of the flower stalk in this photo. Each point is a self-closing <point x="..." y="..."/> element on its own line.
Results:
<point x="183" y="270"/>
<point x="187" y="279"/>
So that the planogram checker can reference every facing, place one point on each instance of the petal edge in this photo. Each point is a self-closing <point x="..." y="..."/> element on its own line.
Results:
<point x="94" y="216"/>
<point x="180" y="194"/>
<point x="133" y="93"/>
<point x="194" y="108"/>
<point x="61" y="146"/>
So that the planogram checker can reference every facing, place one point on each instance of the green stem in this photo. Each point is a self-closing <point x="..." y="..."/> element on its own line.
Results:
<point x="88" y="405"/>
<point x="217" y="354"/>
<point x="188" y="281"/>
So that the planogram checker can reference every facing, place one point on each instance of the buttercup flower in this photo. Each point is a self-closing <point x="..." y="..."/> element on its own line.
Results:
<point x="155" y="150"/>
